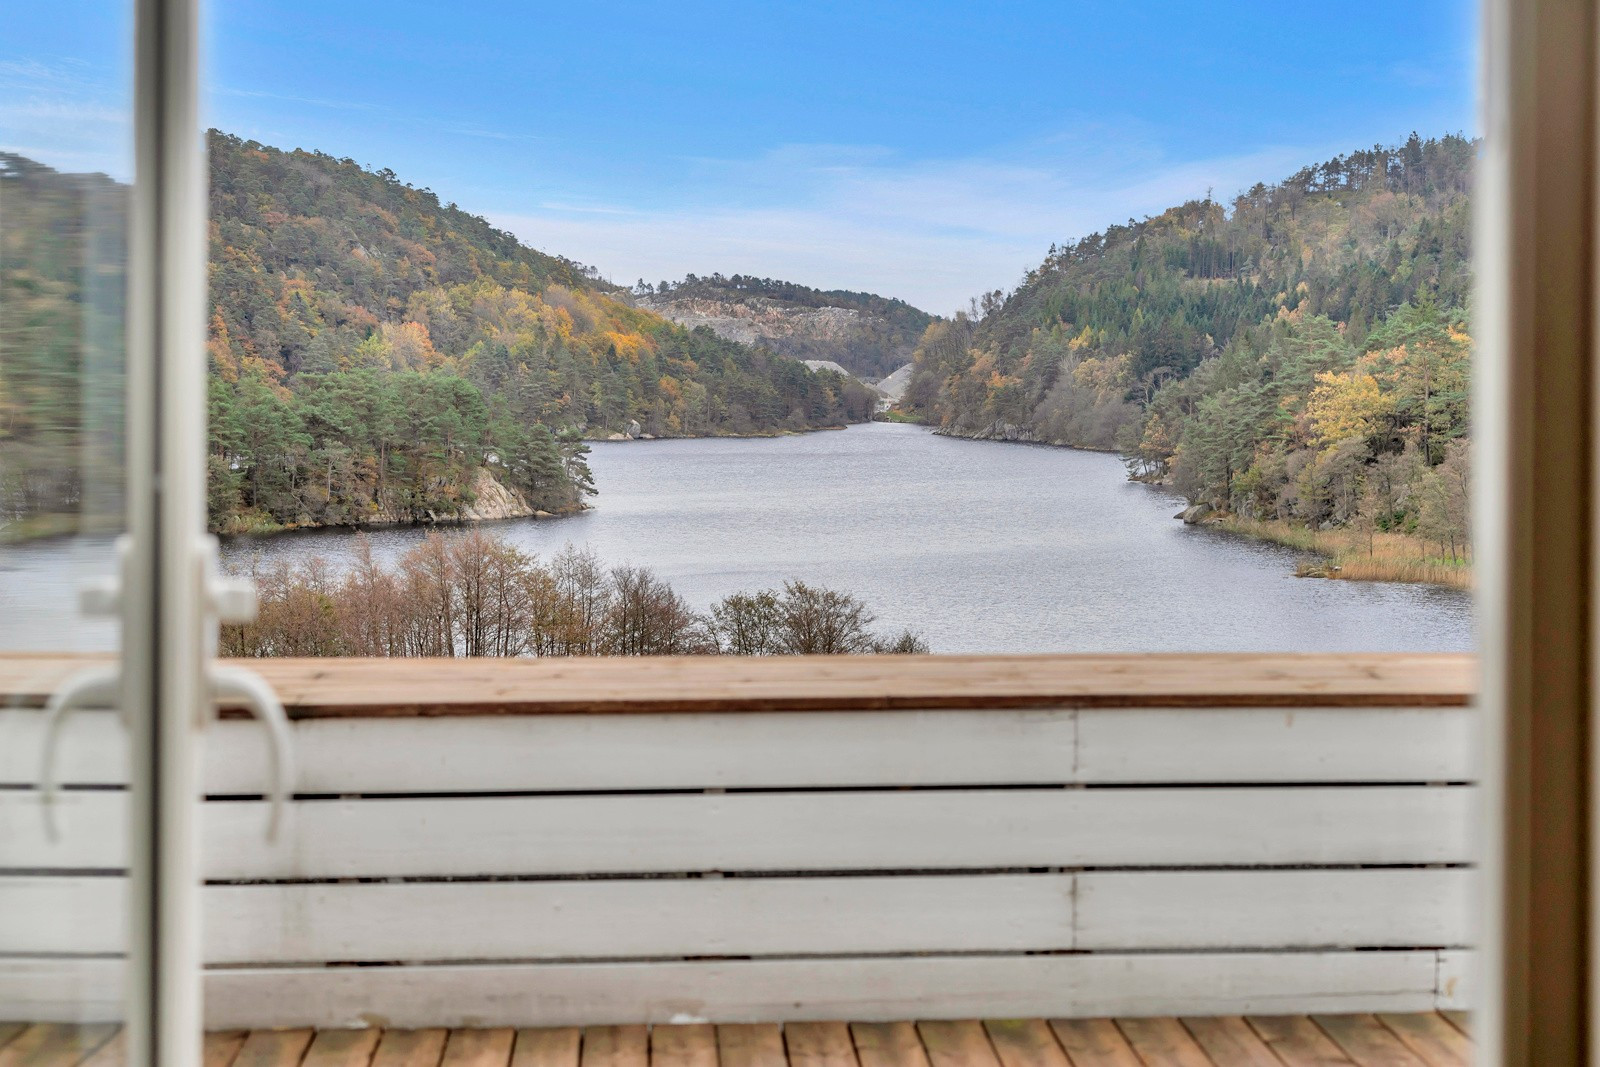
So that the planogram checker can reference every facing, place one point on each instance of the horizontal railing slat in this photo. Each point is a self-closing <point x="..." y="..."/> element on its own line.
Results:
<point x="674" y="918"/>
<point x="795" y="750"/>
<point x="1185" y="910"/>
<point x="390" y="687"/>
<point x="873" y="989"/>
<point x="825" y="831"/>
<point x="1277" y="745"/>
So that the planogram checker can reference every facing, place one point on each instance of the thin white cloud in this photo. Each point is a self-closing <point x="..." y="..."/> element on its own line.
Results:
<point x="482" y="131"/>
<point x="72" y="74"/>
<point x="933" y="232"/>
<point x="387" y="114"/>
<point x="40" y="112"/>
<point x="585" y="209"/>
<point x="815" y="248"/>
<point x="67" y="114"/>
<point x="313" y="101"/>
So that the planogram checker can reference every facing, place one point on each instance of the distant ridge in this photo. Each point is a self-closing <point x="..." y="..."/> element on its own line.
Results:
<point x="868" y="335"/>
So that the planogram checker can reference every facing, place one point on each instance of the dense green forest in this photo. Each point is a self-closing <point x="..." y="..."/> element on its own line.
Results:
<point x="1299" y="355"/>
<point x="878" y="337"/>
<point x="373" y="349"/>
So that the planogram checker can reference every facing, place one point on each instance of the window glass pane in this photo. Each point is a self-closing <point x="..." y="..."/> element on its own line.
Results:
<point x="1247" y="309"/>
<point x="65" y="165"/>
<point x="566" y="338"/>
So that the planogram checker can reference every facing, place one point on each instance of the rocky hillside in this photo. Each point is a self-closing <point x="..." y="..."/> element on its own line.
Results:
<point x="868" y="335"/>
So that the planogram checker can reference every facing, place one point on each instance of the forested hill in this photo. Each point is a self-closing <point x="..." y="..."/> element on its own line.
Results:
<point x="1298" y="354"/>
<point x="869" y="335"/>
<point x="374" y="352"/>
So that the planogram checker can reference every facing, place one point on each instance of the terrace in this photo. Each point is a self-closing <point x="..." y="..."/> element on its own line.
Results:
<point x="1184" y="859"/>
<point x="1428" y="1040"/>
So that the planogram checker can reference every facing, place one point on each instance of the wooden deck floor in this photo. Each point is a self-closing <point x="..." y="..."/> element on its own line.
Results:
<point x="1430" y="1040"/>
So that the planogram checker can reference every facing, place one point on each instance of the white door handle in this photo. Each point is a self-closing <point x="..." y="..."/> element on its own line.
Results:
<point x="100" y="687"/>
<point x="228" y="600"/>
<point x="237" y="685"/>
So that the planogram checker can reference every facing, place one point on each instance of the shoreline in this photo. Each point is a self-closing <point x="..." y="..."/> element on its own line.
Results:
<point x="274" y="530"/>
<point x="1110" y="450"/>
<point x="1349" y="555"/>
<point x="754" y="435"/>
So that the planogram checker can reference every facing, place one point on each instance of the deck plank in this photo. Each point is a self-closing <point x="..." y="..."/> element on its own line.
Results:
<point x="547" y="1046"/>
<point x="479" y="1048"/>
<point x="1163" y="1042"/>
<point x="221" y="1047"/>
<point x="1461" y="1020"/>
<point x="1228" y="1040"/>
<point x="888" y="1045"/>
<point x="615" y="1046"/>
<point x="819" y="1044"/>
<point x="1025" y="1043"/>
<point x="410" y="1048"/>
<point x="26" y="1043"/>
<point x="55" y="1044"/>
<point x="1094" y="1043"/>
<point x="114" y="1053"/>
<point x="1297" y="1041"/>
<point x="683" y="1045"/>
<point x="1431" y="1037"/>
<point x="1367" y="1041"/>
<point x="8" y="1031"/>
<point x="342" y="1048"/>
<point x="1385" y="1040"/>
<point x="961" y="1043"/>
<point x="750" y="1045"/>
<point x="274" y="1048"/>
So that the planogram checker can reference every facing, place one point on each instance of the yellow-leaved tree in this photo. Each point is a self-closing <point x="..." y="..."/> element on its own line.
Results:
<point x="1347" y="404"/>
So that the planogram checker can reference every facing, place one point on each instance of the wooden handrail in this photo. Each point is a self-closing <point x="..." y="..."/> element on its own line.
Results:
<point x="325" y="688"/>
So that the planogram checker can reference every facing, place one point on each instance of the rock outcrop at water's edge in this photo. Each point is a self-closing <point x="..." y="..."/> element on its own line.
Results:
<point x="997" y="431"/>
<point x="490" y="499"/>
<point x="1001" y="430"/>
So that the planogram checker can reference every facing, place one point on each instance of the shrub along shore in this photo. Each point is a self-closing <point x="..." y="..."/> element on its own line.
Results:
<point x="473" y="594"/>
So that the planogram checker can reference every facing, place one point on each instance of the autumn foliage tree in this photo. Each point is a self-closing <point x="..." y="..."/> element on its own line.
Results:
<point x="473" y="594"/>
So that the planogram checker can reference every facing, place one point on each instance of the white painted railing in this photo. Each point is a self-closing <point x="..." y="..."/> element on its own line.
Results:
<point x="594" y="868"/>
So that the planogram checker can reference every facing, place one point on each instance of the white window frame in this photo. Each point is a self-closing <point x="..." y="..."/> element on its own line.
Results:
<point x="163" y="581"/>
<point x="1534" y="412"/>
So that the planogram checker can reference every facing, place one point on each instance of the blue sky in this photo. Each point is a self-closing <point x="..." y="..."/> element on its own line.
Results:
<point x="923" y="150"/>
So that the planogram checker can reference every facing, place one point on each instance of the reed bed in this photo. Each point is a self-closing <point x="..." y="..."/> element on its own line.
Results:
<point x="1357" y="555"/>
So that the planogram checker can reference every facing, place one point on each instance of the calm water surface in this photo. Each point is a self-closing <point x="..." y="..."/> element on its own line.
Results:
<point x="982" y="547"/>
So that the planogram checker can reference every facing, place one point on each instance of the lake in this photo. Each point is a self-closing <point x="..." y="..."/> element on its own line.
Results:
<point x="980" y="546"/>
